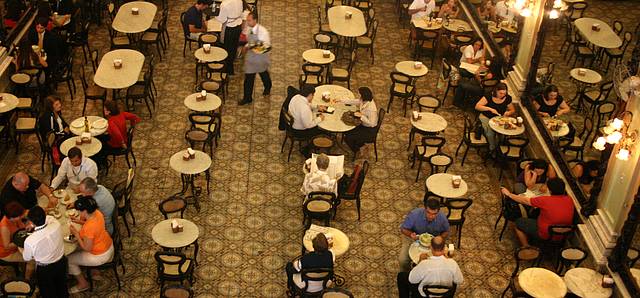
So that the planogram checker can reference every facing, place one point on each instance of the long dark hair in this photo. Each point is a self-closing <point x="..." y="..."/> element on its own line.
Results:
<point x="25" y="55"/>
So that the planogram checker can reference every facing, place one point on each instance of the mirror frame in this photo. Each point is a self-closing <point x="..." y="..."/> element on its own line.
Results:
<point x="10" y="40"/>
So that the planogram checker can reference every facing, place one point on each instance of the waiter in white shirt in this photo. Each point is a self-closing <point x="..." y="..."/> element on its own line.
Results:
<point x="504" y="12"/>
<point x="45" y="246"/>
<point x="74" y="168"/>
<point x="305" y="123"/>
<point x="231" y="18"/>
<point x="256" y="62"/>
<point x="421" y="8"/>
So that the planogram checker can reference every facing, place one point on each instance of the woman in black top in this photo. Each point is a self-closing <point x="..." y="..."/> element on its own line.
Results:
<point x="320" y="257"/>
<point x="499" y="104"/>
<point x="51" y="119"/>
<point x="586" y="173"/>
<point x="550" y="103"/>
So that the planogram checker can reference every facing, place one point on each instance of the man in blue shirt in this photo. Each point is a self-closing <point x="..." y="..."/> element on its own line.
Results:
<point x="193" y="24"/>
<point x="419" y="221"/>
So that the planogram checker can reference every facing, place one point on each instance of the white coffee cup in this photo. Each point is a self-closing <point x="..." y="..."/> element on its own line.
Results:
<point x="206" y="46"/>
<point x="134" y="10"/>
<point x="117" y="62"/>
<point x="417" y="64"/>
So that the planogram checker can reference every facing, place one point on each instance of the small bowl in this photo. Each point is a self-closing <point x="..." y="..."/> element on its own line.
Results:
<point x="60" y="193"/>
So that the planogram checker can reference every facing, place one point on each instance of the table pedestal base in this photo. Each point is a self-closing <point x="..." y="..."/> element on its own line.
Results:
<point x="188" y="181"/>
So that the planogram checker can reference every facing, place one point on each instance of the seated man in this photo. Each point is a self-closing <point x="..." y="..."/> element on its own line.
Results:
<point x="106" y="204"/>
<point x="74" y="168"/>
<point x="22" y="188"/>
<point x="421" y="8"/>
<point x="193" y="24"/>
<point x="556" y="209"/>
<point x="504" y="12"/>
<point x="305" y="123"/>
<point x="319" y="180"/>
<point x="51" y="43"/>
<point x="419" y="221"/>
<point x="435" y="270"/>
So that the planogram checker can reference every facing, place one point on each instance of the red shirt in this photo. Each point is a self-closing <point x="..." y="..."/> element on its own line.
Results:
<point x="118" y="128"/>
<point x="554" y="210"/>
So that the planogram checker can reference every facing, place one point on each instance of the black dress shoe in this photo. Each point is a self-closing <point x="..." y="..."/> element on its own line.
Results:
<point x="266" y="92"/>
<point x="244" y="102"/>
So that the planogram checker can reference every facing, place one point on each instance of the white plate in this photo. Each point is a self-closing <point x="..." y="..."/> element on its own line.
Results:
<point x="78" y="123"/>
<point x="60" y="193"/>
<point x="99" y="124"/>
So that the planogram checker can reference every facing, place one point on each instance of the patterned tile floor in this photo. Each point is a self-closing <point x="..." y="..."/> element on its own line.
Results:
<point x="251" y="223"/>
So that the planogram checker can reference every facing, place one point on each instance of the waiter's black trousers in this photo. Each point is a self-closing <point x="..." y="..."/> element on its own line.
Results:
<point x="250" y="78"/>
<point x="52" y="279"/>
<point x="231" y="39"/>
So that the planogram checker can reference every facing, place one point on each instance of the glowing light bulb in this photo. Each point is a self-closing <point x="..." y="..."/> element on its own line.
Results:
<point x="553" y="14"/>
<point x="526" y="12"/>
<point x="617" y="124"/>
<point x="519" y="4"/>
<point x="557" y="3"/>
<point x="599" y="143"/>
<point x="623" y="154"/>
<point x="614" y="138"/>
<point x="608" y="129"/>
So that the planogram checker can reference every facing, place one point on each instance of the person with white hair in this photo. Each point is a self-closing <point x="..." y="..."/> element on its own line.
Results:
<point x="319" y="180"/>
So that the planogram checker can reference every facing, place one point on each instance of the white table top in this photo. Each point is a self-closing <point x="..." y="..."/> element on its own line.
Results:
<point x="213" y="25"/>
<point x="64" y="220"/>
<point x="590" y="76"/>
<point x="212" y="102"/>
<point x="415" y="250"/>
<point x="333" y="122"/>
<point x="199" y="164"/>
<point x="457" y="24"/>
<point x="585" y="282"/>
<point x="508" y="27"/>
<point x="430" y="122"/>
<point x="408" y="68"/>
<point x="107" y="76"/>
<point x="494" y="124"/>
<point x="77" y="126"/>
<point x="340" y="239"/>
<point x="8" y="102"/>
<point x="339" y="24"/>
<point x="605" y="38"/>
<point x="440" y="184"/>
<point x="423" y="23"/>
<point x="216" y="54"/>
<point x="315" y="56"/>
<point x="165" y="237"/>
<point x="540" y="282"/>
<point x="126" y="22"/>
<point x="88" y="150"/>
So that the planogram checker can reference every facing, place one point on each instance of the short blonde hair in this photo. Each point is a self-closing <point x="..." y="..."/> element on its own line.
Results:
<point x="322" y="161"/>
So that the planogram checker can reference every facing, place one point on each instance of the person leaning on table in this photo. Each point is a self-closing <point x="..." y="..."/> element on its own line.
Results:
<point x="498" y="104"/>
<point x="22" y="188"/>
<point x="106" y="203"/>
<point x="45" y="246"/>
<point x="74" y="168"/>
<point x="368" y="114"/>
<point x="11" y="222"/>
<point x="193" y="24"/>
<point x="419" y="221"/>
<point x="305" y="123"/>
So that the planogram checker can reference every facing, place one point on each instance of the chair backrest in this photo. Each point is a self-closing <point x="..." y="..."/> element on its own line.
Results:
<point x="617" y="27"/>
<point x="439" y="291"/>
<point x="336" y="293"/>
<point x="605" y="90"/>
<point x="525" y="257"/>
<point x="404" y="81"/>
<point x="587" y="128"/>
<point x="183" y="26"/>
<point x="83" y="79"/>
<point x="633" y="254"/>
<point x="578" y="9"/>
<point x="628" y="36"/>
<point x="560" y="233"/>
<point x="319" y="11"/>
<point x="381" y="114"/>
<point x="288" y="118"/>
<point x="374" y="31"/>
<point x="128" y="190"/>
<point x="363" y="174"/>
<point x="94" y="60"/>
<point x="433" y="141"/>
<point x="319" y="203"/>
<point x="171" y="205"/>
<point x="440" y="162"/>
<point x="15" y="287"/>
<point x="352" y="61"/>
<point x="446" y="69"/>
<point x="170" y="259"/>
<point x="130" y="131"/>
<point x="203" y="118"/>
<point x="323" y="275"/>
<point x="208" y="37"/>
<point x="458" y="205"/>
<point x="174" y="291"/>
<point x="312" y="70"/>
<point x="605" y="111"/>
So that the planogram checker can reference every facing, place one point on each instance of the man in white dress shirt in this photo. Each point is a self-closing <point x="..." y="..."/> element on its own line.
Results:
<point x="305" y="123"/>
<point x="421" y="8"/>
<point x="256" y="62"/>
<point x="45" y="246"/>
<point x="504" y="12"/>
<point x="74" y="168"/>
<point x="319" y="180"/>
<point x="435" y="270"/>
<point x="231" y="18"/>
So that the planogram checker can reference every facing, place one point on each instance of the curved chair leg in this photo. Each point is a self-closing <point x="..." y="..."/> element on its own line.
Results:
<point x="504" y="227"/>
<point x="115" y="272"/>
<point x="131" y="214"/>
<point x="126" y="225"/>
<point x="358" y="206"/>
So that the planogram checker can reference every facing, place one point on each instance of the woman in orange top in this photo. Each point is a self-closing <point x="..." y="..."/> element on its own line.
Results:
<point x="10" y="223"/>
<point x="94" y="240"/>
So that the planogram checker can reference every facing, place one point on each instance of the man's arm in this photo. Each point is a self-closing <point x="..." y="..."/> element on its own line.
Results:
<point x="518" y="198"/>
<point x="62" y="174"/>
<point x="44" y="189"/>
<point x="409" y="233"/>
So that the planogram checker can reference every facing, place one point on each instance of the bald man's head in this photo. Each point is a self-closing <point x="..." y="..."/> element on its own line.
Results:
<point x="20" y="181"/>
<point x="437" y="243"/>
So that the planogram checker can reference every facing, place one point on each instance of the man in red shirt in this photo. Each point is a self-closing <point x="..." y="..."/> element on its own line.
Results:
<point x="556" y="209"/>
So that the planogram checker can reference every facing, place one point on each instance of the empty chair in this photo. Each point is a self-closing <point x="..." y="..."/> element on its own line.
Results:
<point x="429" y="102"/>
<point x="15" y="287"/>
<point x="617" y="54"/>
<point x="456" y="210"/>
<point x="205" y="128"/>
<point x="471" y="138"/>
<point x="570" y="257"/>
<point x="341" y="74"/>
<point x="525" y="257"/>
<point x="578" y="142"/>
<point x="511" y="150"/>
<point x="174" y="266"/>
<point x="353" y="191"/>
<point x="402" y="87"/>
<point x="446" y="76"/>
<point x="312" y="75"/>
<point x="595" y="97"/>
<point x="318" y="205"/>
<point x="336" y="293"/>
<point x="176" y="291"/>
<point x="426" y="43"/>
<point x="367" y="41"/>
<point x="429" y="146"/>
<point x="172" y="204"/>
<point x="91" y="91"/>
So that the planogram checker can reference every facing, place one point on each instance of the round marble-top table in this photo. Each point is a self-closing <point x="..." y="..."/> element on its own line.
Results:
<point x="315" y="56"/>
<point x="408" y="68"/>
<point x="440" y="185"/>
<point x="88" y="149"/>
<point x="429" y="122"/>
<point x="540" y="282"/>
<point x="164" y="236"/>
<point x="211" y="103"/>
<point x="561" y="132"/>
<point x="348" y="27"/>
<point x="636" y="274"/>
<point x="589" y="77"/>
<point x="509" y="27"/>
<point x="127" y="22"/>
<point x="97" y="125"/>
<point x="216" y="54"/>
<point x="64" y="219"/>
<point x="585" y="282"/>
<point x="340" y="239"/>
<point x="423" y="23"/>
<point x="495" y="124"/>
<point x="199" y="164"/>
<point x="109" y="77"/>
<point x="333" y="122"/>
<point x="8" y="102"/>
<point x="604" y="38"/>
<point x="457" y="25"/>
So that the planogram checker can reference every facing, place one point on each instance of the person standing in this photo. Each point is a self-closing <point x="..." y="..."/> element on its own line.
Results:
<point x="45" y="246"/>
<point x="231" y="18"/>
<point x="256" y="62"/>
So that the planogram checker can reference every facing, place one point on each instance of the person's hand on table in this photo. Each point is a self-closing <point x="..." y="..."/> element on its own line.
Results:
<point x="74" y="231"/>
<point x="543" y="114"/>
<point x="423" y="256"/>
<point x="322" y="108"/>
<point x="414" y="236"/>
<point x="494" y="111"/>
<point x="357" y="114"/>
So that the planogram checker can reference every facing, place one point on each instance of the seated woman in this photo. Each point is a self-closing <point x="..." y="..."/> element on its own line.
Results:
<point x="586" y="173"/>
<point x="449" y="9"/>
<point x="30" y="62"/>
<point x="51" y="119"/>
<point x="472" y="54"/>
<point x="96" y="246"/>
<point x="535" y="175"/>
<point x="499" y="104"/>
<point x="486" y="10"/>
<point x="116" y="131"/>
<point x="320" y="257"/>
<point x="551" y="103"/>
<point x="368" y="114"/>
<point x="10" y="223"/>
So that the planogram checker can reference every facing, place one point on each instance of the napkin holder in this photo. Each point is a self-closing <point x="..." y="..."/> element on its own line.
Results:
<point x="176" y="227"/>
<point x="595" y="27"/>
<point x="135" y="11"/>
<point x="582" y="72"/>
<point x="456" y="181"/>
<point x="607" y="281"/>
<point x="85" y="138"/>
<point x="202" y="96"/>
<point x="326" y="54"/>
<point x="416" y="116"/>
<point x="329" y="237"/>
<point x="519" y="121"/>
<point x="451" y="250"/>
<point x="192" y="153"/>
<point x="347" y="15"/>
<point x="326" y="96"/>
<point x="117" y="63"/>
<point x="206" y="48"/>
<point x="78" y="141"/>
<point x="417" y="65"/>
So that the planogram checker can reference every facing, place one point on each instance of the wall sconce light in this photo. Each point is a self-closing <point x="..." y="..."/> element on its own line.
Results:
<point x="553" y="14"/>
<point x="617" y="132"/>
<point x="557" y="4"/>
